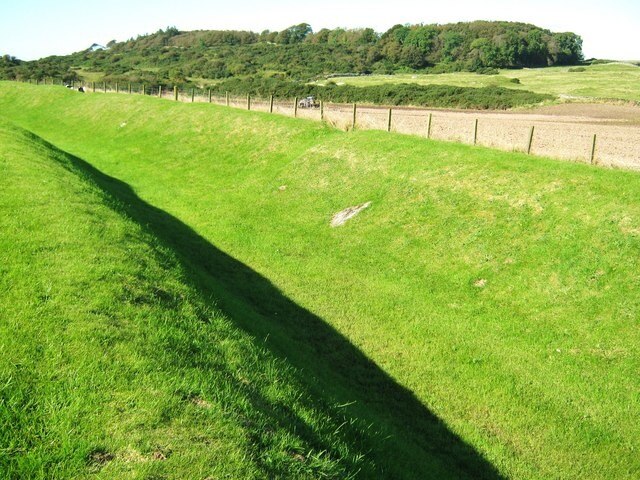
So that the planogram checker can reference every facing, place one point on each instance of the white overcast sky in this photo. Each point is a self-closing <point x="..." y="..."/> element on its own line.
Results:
<point x="31" y="29"/>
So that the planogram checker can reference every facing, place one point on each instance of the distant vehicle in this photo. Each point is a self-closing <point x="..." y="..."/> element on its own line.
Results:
<point x="309" y="102"/>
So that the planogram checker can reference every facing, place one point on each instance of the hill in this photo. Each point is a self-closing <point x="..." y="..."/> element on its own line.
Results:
<point x="478" y="320"/>
<point x="175" y="57"/>
<point x="116" y="364"/>
<point x="598" y="81"/>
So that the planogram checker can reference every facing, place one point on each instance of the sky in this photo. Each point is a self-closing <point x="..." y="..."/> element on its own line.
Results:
<point x="31" y="29"/>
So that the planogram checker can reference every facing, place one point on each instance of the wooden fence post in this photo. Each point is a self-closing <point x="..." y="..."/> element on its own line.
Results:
<point x="295" y="107"/>
<point x="129" y="89"/>
<point x="475" y="133"/>
<point x="175" y="93"/>
<point x="226" y="94"/>
<point x="248" y="101"/>
<point x="533" y="129"/>
<point x="104" y="87"/>
<point x="93" y="87"/>
<point x="271" y="104"/>
<point x="322" y="110"/>
<point x="193" y="95"/>
<point x="117" y="87"/>
<point x="593" y="150"/>
<point x="159" y="91"/>
<point x="389" y="121"/>
<point x="429" y="126"/>
<point x="209" y="95"/>
<point x="144" y="89"/>
<point x="355" y="110"/>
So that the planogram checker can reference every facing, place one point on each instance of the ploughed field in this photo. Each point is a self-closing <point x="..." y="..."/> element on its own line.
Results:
<point x="175" y="302"/>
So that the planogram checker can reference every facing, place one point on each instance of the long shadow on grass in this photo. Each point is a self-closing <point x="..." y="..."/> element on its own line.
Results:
<point x="405" y="440"/>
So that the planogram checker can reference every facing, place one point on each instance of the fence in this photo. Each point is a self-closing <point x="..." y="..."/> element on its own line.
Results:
<point x="570" y="138"/>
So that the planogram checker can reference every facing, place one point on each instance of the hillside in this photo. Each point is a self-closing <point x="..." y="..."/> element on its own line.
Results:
<point x="297" y="53"/>
<point x="479" y="320"/>
<point x="614" y="80"/>
<point x="116" y="363"/>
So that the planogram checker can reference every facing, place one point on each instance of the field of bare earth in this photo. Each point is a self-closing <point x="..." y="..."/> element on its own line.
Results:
<point x="564" y="131"/>
<point x="598" y="132"/>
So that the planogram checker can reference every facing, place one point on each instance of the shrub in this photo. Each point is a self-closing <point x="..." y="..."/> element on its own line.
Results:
<point x="388" y="94"/>
<point x="487" y="71"/>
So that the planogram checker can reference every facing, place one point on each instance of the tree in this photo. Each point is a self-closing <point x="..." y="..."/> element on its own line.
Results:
<point x="566" y="48"/>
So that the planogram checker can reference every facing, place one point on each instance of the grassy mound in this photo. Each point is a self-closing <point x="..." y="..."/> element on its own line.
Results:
<point x="480" y="316"/>
<point x="114" y="364"/>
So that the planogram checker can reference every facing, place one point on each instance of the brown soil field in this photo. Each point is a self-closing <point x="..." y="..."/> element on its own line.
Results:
<point x="563" y="131"/>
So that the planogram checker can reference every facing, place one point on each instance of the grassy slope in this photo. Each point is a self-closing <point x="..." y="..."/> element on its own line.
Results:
<point x="114" y="366"/>
<point x="537" y="369"/>
<point x="610" y="81"/>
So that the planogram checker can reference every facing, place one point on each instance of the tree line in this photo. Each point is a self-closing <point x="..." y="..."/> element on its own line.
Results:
<point x="299" y="53"/>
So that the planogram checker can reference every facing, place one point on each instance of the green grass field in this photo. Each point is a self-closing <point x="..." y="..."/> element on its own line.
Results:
<point x="604" y="81"/>
<point x="175" y="304"/>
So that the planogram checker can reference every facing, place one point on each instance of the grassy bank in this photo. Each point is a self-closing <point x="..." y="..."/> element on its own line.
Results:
<point x="480" y="317"/>
<point x="116" y="364"/>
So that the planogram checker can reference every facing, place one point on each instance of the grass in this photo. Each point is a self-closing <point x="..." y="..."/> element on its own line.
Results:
<point x="114" y="366"/>
<point x="478" y="320"/>
<point x="603" y="81"/>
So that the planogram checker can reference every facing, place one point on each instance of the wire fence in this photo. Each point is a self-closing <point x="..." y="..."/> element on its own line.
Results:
<point x="571" y="138"/>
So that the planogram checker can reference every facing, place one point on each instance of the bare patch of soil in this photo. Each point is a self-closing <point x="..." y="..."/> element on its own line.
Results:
<point x="341" y="217"/>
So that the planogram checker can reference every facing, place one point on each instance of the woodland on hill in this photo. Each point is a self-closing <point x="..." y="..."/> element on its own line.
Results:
<point x="298" y="53"/>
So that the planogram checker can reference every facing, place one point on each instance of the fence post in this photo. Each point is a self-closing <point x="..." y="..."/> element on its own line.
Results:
<point x="93" y="87"/>
<point x="129" y="89"/>
<point x="429" y="126"/>
<point x="475" y="133"/>
<point x="144" y="89"/>
<point x="104" y="87"/>
<point x="389" y="121"/>
<point x="322" y="110"/>
<point x="353" y="123"/>
<point x="209" y="95"/>
<point x="226" y="94"/>
<point x="193" y="95"/>
<point x="248" y="101"/>
<point x="295" y="107"/>
<point x="271" y="104"/>
<point x="593" y="150"/>
<point x="159" y="91"/>
<point x="533" y="129"/>
<point x="117" y="87"/>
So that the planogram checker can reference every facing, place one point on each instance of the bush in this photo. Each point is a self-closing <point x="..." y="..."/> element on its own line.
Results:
<point x="514" y="80"/>
<point x="487" y="71"/>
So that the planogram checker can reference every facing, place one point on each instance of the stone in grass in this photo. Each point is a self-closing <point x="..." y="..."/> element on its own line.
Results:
<point x="341" y="217"/>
